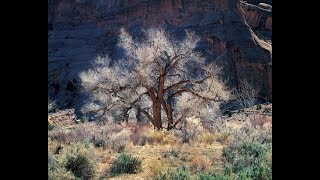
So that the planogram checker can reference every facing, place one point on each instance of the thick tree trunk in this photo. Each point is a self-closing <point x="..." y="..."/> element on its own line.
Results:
<point x="156" y="108"/>
<point x="168" y="108"/>
<point x="158" y="101"/>
<point x="157" y="115"/>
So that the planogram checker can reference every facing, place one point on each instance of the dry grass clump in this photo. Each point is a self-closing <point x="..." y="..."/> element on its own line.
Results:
<point x="160" y="137"/>
<point x="118" y="141"/>
<point x="138" y="136"/>
<point x="154" y="136"/>
<point x="169" y="138"/>
<point x="224" y="138"/>
<point x="191" y="130"/>
<point x="208" y="138"/>
<point x="200" y="163"/>
<point x="261" y="121"/>
<point x="76" y="133"/>
<point x="89" y="131"/>
<point x="156" y="166"/>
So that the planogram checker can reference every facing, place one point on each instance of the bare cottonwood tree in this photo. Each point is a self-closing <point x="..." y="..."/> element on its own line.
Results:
<point x="246" y="94"/>
<point x="160" y="77"/>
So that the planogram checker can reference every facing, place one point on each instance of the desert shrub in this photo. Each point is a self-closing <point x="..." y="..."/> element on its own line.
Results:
<point x="99" y="141"/>
<point x="191" y="129"/>
<point x="200" y="163"/>
<point x="154" y="136"/>
<point x="126" y="164"/>
<point x="249" y="160"/>
<point x="118" y="141"/>
<point x="142" y="141"/>
<point x="72" y="162"/>
<point x="229" y="132"/>
<point x="208" y="138"/>
<point x="170" y="153"/>
<point x="52" y="162"/>
<point x="56" y="170"/>
<point x="261" y="121"/>
<point x="249" y="133"/>
<point x="80" y="132"/>
<point x="52" y="146"/>
<point x="50" y="127"/>
<point x="138" y="135"/>
<point x="60" y="173"/>
<point x="112" y="128"/>
<point x="156" y="166"/>
<point x="181" y="173"/>
<point x="81" y="166"/>
<point x="169" y="138"/>
<point x="136" y="138"/>
<point x="224" y="138"/>
<point x="78" y="159"/>
<point x="206" y="176"/>
<point x="160" y="137"/>
<point x="59" y="134"/>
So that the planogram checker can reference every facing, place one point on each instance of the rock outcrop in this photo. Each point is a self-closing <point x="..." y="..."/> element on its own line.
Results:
<point x="257" y="16"/>
<point x="80" y="30"/>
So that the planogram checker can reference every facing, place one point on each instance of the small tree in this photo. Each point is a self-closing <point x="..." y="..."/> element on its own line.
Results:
<point x="246" y="94"/>
<point x="161" y="78"/>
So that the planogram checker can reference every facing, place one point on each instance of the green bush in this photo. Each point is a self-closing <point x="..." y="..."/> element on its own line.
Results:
<point x="205" y="176"/>
<point x="126" y="164"/>
<point x="249" y="160"/>
<point x="80" y="166"/>
<point x="182" y="173"/>
<point x="52" y="162"/>
<point x="56" y="170"/>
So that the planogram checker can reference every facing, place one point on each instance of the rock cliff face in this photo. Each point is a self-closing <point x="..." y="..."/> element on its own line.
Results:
<point x="257" y="16"/>
<point x="80" y="30"/>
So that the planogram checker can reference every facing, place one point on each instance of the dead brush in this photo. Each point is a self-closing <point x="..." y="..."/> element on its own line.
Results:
<point x="200" y="163"/>
<point x="77" y="133"/>
<point x="137" y="136"/>
<point x="208" y="138"/>
<point x="261" y="121"/>
<point x="118" y="141"/>
<point x="224" y="138"/>
<point x="154" y="136"/>
<point x="156" y="166"/>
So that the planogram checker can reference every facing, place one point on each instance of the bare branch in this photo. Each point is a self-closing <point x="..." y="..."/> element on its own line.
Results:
<point x="151" y="77"/>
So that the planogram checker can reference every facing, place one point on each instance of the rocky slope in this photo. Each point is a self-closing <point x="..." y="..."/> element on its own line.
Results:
<point x="80" y="30"/>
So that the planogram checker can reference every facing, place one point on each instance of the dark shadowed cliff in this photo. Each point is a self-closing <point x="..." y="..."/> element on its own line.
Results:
<point x="80" y="30"/>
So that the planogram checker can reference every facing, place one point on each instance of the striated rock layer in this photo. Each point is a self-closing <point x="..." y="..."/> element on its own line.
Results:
<point x="80" y="30"/>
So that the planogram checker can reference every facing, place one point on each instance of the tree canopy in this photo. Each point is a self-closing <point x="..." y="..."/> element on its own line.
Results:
<point x="160" y="77"/>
